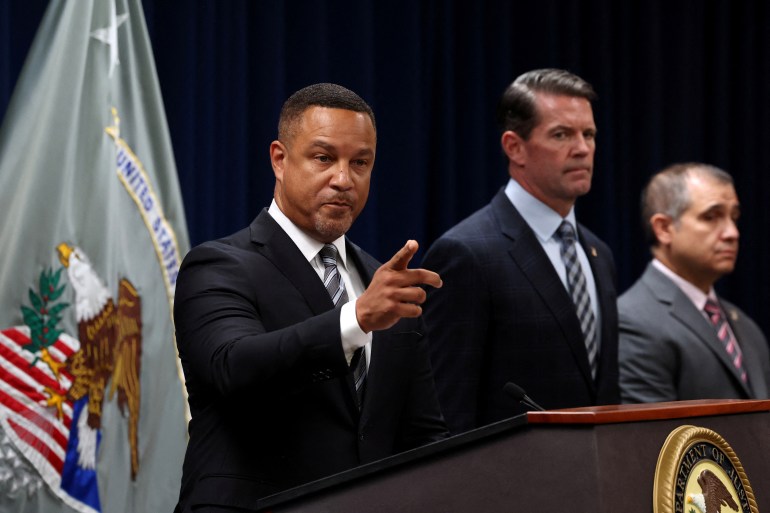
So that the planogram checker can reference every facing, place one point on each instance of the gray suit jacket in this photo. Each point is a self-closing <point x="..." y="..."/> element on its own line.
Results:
<point x="670" y="352"/>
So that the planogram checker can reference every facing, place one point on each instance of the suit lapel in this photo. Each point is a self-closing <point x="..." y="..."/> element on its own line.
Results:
<point x="602" y="269"/>
<point x="683" y="310"/>
<point x="274" y="244"/>
<point x="750" y="361"/>
<point x="528" y="254"/>
<point x="385" y="346"/>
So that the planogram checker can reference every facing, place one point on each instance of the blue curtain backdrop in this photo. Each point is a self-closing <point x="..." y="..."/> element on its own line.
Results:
<point x="678" y="80"/>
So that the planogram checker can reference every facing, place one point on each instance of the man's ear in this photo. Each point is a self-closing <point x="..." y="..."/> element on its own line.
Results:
<point x="663" y="227"/>
<point x="513" y="147"/>
<point x="278" y="156"/>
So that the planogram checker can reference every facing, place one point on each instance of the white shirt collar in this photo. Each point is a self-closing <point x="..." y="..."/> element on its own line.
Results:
<point x="543" y="220"/>
<point x="695" y="294"/>
<point x="306" y="244"/>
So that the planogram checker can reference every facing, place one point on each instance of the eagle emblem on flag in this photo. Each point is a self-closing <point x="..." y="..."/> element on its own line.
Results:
<point x="53" y="385"/>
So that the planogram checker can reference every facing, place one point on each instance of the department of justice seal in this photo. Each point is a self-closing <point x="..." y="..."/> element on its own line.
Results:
<point x="698" y="472"/>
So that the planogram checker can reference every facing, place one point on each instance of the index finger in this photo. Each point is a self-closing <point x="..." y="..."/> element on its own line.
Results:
<point x="404" y="255"/>
<point x="425" y="277"/>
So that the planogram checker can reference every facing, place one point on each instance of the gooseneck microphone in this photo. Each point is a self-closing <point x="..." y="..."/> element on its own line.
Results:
<point x="518" y="393"/>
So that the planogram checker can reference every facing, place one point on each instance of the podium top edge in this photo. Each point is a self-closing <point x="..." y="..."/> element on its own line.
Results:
<point x="618" y="413"/>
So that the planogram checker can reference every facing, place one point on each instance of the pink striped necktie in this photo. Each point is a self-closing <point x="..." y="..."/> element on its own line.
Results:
<point x="725" y="335"/>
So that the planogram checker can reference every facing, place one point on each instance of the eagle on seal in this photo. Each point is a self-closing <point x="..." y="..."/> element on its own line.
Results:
<point x="714" y="495"/>
<point x="110" y="350"/>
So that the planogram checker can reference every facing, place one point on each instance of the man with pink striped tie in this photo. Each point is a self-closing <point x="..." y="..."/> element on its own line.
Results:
<point x="678" y="339"/>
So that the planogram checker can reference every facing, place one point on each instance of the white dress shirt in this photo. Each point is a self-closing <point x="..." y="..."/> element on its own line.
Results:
<point x="351" y="333"/>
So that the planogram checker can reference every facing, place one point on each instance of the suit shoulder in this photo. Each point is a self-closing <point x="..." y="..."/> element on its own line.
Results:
<point x="639" y="295"/>
<point x="477" y="225"/>
<point x="633" y="292"/>
<point x="235" y="248"/>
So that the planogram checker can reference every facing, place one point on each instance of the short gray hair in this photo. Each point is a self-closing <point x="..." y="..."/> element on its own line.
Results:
<point x="666" y="192"/>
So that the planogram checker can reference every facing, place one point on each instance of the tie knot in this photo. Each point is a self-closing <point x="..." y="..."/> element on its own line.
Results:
<point x="566" y="232"/>
<point x="712" y="308"/>
<point x="329" y="255"/>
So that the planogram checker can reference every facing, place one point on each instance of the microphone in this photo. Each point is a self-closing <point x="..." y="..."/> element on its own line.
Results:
<point x="518" y="393"/>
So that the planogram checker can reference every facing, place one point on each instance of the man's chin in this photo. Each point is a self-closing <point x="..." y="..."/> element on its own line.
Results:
<point x="580" y="182"/>
<point x="328" y="230"/>
<point x="724" y="268"/>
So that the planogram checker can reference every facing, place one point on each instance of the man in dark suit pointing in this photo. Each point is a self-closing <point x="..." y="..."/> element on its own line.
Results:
<point x="529" y="293"/>
<point x="303" y="356"/>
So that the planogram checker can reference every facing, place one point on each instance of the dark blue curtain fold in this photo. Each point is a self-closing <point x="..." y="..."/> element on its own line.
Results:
<point x="681" y="80"/>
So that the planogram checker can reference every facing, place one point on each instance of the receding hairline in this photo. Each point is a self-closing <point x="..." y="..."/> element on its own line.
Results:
<point x="668" y="191"/>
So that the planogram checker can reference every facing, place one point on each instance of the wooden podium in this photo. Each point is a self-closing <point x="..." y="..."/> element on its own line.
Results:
<point x="599" y="459"/>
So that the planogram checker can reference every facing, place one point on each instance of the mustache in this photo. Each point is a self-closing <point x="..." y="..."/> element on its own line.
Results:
<point x="342" y="197"/>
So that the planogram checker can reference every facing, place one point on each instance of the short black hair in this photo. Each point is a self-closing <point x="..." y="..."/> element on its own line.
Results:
<point x="328" y="95"/>
<point x="516" y="110"/>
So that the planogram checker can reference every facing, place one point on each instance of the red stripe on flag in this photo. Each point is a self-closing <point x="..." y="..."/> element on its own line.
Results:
<point x="23" y="365"/>
<point x="35" y="418"/>
<point x="34" y="396"/>
<point x="20" y="338"/>
<point x="17" y="336"/>
<point x="21" y="386"/>
<point x="64" y="348"/>
<point x="38" y="445"/>
<point x="60" y="345"/>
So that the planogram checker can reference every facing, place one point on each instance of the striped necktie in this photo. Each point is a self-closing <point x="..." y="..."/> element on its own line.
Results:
<point x="726" y="337"/>
<point x="336" y="287"/>
<point x="576" y="282"/>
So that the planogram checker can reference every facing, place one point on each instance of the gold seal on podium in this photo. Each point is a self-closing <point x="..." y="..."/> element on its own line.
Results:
<point x="698" y="472"/>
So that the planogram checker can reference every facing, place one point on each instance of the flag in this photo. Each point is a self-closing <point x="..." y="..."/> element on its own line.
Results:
<point x="92" y="404"/>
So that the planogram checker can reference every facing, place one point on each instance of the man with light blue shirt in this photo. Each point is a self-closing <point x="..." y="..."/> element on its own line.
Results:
<point x="678" y="339"/>
<point x="529" y="293"/>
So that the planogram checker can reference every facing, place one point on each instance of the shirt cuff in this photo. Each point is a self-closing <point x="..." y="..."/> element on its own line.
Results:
<point x="352" y="335"/>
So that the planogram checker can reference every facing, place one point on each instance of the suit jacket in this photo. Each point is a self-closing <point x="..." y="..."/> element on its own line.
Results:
<point x="669" y="351"/>
<point x="270" y="392"/>
<point x="504" y="315"/>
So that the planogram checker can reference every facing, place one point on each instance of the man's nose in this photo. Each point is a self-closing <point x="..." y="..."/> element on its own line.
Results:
<point x="341" y="179"/>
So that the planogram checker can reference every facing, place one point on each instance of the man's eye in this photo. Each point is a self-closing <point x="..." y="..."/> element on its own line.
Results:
<point x="360" y="162"/>
<point x="323" y="159"/>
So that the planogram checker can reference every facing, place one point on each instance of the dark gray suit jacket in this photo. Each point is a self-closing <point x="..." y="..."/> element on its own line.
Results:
<point x="504" y="315"/>
<point x="270" y="391"/>
<point x="669" y="351"/>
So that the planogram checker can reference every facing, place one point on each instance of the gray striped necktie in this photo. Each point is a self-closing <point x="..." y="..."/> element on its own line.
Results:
<point x="335" y="285"/>
<point x="576" y="282"/>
